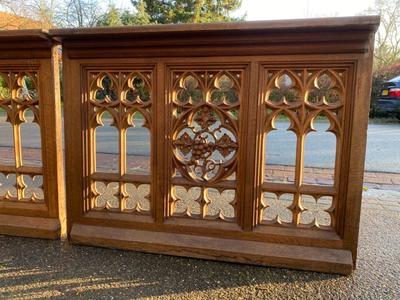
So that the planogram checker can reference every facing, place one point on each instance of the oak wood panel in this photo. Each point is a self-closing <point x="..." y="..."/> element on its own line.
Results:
<point x="46" y="228"/>
<point x="316" y="24"/>
<point x="272" y="234"/>
<point x="314" y="259"/>
<point x="358" y="128"/>
<point x="29" y="73"/>
<point x="214" y="82"/>
<point x="284" y="37"/>
<point x="74" y="138"/>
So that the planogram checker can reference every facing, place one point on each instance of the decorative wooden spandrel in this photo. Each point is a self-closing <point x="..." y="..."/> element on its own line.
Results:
<point x="21" y="174"/>
<point x="205" y="115"/>
<point x="302" y="98"/>
<point x="119" y="100"/>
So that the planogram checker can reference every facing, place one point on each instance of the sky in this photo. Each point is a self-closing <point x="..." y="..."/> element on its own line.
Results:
<point x="291" y="9"/>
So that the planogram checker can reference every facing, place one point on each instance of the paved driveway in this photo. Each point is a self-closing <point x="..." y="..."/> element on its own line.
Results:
<point x="383" y="148"/>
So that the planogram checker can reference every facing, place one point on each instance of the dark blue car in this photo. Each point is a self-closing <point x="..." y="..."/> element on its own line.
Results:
<point x="389" y="101"/>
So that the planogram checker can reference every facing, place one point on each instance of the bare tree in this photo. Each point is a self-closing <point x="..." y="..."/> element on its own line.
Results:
<point x="387" y="42"/>
<point x="45" y="11"/>
<point x="79" y="13"/>
<point x="61" y="13"/>
<point x="16" y="9"/>
<point x="42" y="11"/>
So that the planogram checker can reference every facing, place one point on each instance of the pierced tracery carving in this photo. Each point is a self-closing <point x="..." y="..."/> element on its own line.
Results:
<point x="302" y="96"/>
<point x="285" y="88"/>
<point x="205" y="135"/>
<point x="326" y="88"/>
<point x="19" y="110"/>
<point x="121" y="99"/>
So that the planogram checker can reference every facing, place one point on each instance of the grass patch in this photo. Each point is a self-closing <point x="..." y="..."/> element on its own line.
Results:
<point x="389" y="120"/>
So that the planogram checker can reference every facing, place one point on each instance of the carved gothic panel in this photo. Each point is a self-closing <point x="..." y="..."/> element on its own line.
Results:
<point x="304" y="101"/>
<point x="119" y="101"/>
<point x="20" y="137"/>
<point x="205" y="108"/>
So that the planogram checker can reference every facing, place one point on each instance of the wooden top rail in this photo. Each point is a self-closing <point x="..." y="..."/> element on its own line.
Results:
<point x="30" y="43"/>
<point x="306" y="36"/>
<point x="370" y="23"/>
<point x="312" y="36"/>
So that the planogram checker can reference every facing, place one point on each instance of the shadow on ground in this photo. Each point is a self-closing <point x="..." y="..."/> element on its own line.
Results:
<point x="36" y="269"/>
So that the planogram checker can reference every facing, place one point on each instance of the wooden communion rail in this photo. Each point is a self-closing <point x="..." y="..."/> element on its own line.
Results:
<point x="208" y="95"/>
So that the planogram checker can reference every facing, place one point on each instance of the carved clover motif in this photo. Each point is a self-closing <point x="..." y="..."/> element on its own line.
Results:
<point x="225" y="91"/>
<point x="5" y="92"/>
<point x="138" y="90"/>
<point x="202" y="202"/>
<point x="277" y="208"/>
<point x="187" y="201"/>
<point x="316" y="210"/>
<point x="105" y="89"/>
<point x="26" y="90"/>
<point x="189" y="90"/>
<point x="8" y="186"/>
<point x="136" y="198"/>
<point x="221" y="204"/>
<point x="324" y="90"/>
<point x="33" y="187"/>
<point x="106" y="195"/>
<point x="284" y="90"/>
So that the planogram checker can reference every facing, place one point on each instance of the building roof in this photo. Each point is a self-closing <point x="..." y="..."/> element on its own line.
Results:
<point x="10" y="21"/>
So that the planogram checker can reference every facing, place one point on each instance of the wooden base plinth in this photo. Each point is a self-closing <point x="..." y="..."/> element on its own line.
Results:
<point x="47" y="228"/>
<point x="242" y="251"/>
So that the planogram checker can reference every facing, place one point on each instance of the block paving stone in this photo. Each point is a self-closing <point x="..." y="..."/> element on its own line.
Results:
<point x="140" y="165"/>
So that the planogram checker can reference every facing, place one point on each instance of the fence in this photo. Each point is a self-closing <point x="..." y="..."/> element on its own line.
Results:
<point x="31" y="169"/>
<point x="168" y="130"/>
